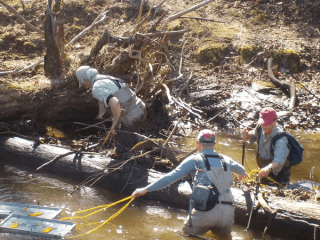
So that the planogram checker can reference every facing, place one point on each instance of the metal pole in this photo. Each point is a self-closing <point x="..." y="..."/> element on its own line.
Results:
<point x="243" y="151"/>
<point x="254" y="202"/>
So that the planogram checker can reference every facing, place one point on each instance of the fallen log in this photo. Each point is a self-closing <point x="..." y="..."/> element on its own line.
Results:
<point x="288" y="89"/>
<point x="293" y="217"/>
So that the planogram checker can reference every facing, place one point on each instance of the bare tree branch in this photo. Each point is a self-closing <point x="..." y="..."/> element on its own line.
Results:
<point x="12" y="10"/>
<point x="15" y="72"/>
<point x="177" y="15"/>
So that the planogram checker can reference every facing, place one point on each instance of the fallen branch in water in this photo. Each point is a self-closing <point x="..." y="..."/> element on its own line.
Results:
<point x="54" y="160"/>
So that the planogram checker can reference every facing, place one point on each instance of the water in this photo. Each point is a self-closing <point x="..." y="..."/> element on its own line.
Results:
<point x="143" y="219"/>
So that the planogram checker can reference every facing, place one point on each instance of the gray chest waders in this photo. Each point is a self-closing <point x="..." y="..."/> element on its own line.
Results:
<point x="205" y="198"/>
<point x="135" y="110"/>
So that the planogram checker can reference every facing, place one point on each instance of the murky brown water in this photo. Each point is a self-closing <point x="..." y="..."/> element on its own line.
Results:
<point x="142" y="219"/>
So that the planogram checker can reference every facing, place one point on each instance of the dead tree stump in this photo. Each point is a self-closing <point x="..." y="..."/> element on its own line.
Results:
<point x="54" y="37"/>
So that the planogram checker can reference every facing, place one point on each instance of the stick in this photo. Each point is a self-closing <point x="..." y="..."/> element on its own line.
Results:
<point x="243" y="151"/>
<point x="189" y="154"/>
<point x="11" y="9"/>
<point x="14" y="72"/>
<point x="168" y="138"/>
<point x="293" y="98"/>
<point x="203" y="19"/>
<point x="53" y="160"/>
<point x="177" y="15"/>
<point x="93" y="24"/>
<point x="185" y="84"/>
<point x="90" y="126"/>
<point x="214" y="116"/>
<point x="268" y="210"/>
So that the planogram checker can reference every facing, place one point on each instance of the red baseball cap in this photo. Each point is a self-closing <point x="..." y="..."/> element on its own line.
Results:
<point x="206" y="136"/>
<point x="267" y="116"/>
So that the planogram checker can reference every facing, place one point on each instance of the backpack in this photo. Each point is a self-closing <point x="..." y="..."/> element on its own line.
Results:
<point x="296" y="149"/>
<point x="205" y="198"/>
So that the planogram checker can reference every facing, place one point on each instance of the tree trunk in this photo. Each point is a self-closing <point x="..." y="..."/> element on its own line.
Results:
<point x="288" y="89"/>
<point x="293" y="217"/>
<point x="54" y="37"/>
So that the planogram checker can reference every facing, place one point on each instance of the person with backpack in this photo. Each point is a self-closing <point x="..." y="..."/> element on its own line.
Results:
<point x="211" y="201"/>
<point x="273" y="147"/>
<point x="113" y="93"/>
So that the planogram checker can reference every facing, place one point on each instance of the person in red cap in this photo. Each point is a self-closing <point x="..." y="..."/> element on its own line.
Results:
<point x="273" y="160"/>
<point x="211" y="203"/>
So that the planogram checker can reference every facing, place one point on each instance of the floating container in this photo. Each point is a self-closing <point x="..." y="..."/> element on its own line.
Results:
<point x="48" y="228"/>
<point x="7" y="208"/>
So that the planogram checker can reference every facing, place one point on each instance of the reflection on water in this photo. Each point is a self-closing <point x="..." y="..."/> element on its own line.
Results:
<point x="143" y="219"/>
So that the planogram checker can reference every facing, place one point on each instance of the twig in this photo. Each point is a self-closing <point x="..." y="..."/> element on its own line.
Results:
<point x="15" y="72"/>
<point x="168" y="93"/>
<point x="134" y="164"/>
<point x="252" y="61"/>
<point x="11" y="9"/>
<point x="186" y="84"/>
<point x="189" y="154"/>
<point x="87" y="180"/>
<point x="186" y="108"/>
<point x="14" y="133"/>
<point x="93" y="24"/>
<point x="308" y="90"/>
<point x="180" y="66"/>
<point x="162" y="33"/>
<point x="203" y="19"/>
<point x="177" y="15"/>
<point x="91" y="125"/>
<point x="54" y="160"/>
<point x="215" y="116"/>
<point x="173" y="130"/>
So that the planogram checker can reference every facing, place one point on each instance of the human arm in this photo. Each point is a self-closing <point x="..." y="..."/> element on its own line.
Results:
<point x="268" y="169"/>
<point x="102" y="111"/>
<point x="184" y="168"/>
<point x="238" y="169"/>
<point x="281" y="152"/>
<point x="250" y="134"/>
<point x="115" y="110"/>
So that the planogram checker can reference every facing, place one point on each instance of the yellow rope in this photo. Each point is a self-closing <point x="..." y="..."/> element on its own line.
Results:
<point x="272" y="180"/>
<point x="103" y="208"/>
<point x="259" y="170"/>
<point x="112" y="217"/>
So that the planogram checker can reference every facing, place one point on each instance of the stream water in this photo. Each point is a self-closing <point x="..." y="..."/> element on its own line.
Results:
<point x="143" y="219"/>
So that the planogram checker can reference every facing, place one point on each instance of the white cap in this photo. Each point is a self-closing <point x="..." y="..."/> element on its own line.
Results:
<point x="85" y="73"/>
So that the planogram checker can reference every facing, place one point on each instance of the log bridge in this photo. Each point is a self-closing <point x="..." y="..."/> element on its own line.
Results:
<point x="293" y="220"/>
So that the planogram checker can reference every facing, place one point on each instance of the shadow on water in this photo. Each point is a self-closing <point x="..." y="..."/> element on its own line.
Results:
<point x="143" y="219"/>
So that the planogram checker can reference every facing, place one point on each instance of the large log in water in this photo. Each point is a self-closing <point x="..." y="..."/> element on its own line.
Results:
<point x="294" y="219"/>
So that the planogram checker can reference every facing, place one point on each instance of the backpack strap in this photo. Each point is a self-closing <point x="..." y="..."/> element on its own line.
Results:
<point x="275" y="139"/>
<point x="114" y="80"/>
<point x="259" y="135"/>
<point x="205" y="159"/>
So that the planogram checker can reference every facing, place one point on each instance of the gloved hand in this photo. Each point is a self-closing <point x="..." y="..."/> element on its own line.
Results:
<point x="139" y="192"/>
